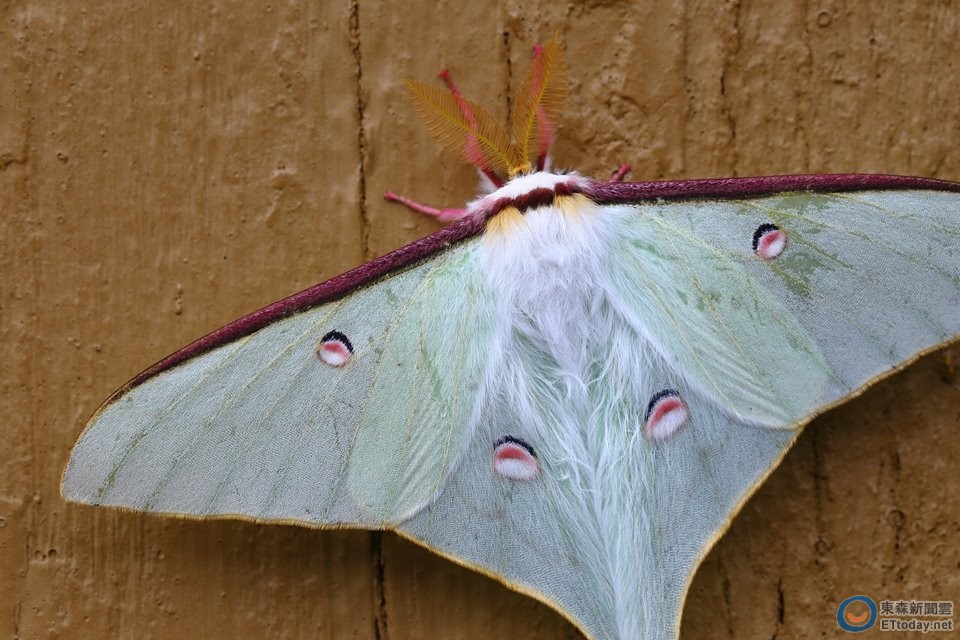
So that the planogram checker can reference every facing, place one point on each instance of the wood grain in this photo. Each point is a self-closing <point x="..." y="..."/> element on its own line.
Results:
<point x="166" y="167"/>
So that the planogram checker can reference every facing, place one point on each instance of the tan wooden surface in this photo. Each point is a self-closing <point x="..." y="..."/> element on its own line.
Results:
<point x="166" y="167"/>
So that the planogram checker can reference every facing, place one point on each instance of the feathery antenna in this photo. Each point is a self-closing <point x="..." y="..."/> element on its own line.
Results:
<point x="467" y="129"/>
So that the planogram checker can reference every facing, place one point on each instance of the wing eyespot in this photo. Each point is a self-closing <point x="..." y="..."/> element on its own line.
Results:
<point x="515" y="459"/>
<point x="769" y="241"/>
<point x="666" y="413"/>
<point x="335" y="349"/>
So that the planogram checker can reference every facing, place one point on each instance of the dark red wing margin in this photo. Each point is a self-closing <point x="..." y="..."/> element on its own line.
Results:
<point x="600" y="192"/>
<point x="627" y="192"/>
<point x="332" y="289"/>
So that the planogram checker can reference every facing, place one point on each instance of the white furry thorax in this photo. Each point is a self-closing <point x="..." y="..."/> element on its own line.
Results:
<point x="543" y="266"/>
<point x="571" y="365"/>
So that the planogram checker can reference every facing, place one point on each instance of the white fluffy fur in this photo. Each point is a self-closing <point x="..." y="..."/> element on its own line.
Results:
<point x="570" y="363"/>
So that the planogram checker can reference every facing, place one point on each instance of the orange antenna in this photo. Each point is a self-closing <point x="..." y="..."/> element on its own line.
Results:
<point x="468" y="130"/>
<point x="463" y="127"/>
<point x="538" y="105"/>
<point x="472" y="149"/>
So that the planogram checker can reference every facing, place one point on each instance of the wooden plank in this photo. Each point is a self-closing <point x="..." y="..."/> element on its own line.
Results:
<point x="166" y="168"/>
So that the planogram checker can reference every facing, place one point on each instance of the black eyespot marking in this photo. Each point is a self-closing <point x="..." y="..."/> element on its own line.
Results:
<point x="761" y="230"/>
<point x="769" y="241"/>
<point x="336" y="335"/>
<point x="657" y="397"/>
<point x="666" y="412"/>
<point x="517" y="441"/>
<point x="515" y="459"/>
<point x="335" y="349"/>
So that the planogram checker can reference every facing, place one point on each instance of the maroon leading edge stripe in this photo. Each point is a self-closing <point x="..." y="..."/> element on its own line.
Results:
<point x="599" y="192"/>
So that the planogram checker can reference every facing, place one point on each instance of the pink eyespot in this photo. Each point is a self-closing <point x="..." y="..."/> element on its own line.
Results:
<point x="769" y="241"/>
<point x="335" y="349"/>
<point x="665" y="413"/>
<point x="514" y="459"/>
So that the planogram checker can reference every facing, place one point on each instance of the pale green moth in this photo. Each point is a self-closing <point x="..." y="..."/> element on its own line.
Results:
<point x="573" y="388"/>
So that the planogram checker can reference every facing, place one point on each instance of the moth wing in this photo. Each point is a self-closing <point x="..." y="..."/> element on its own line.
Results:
<point x="662" y="508"/>
<point x="261" y="427"/>
<point x="866" y="282"/>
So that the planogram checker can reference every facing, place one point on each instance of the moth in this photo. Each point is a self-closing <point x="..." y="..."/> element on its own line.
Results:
<point x="573" y="387"/>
